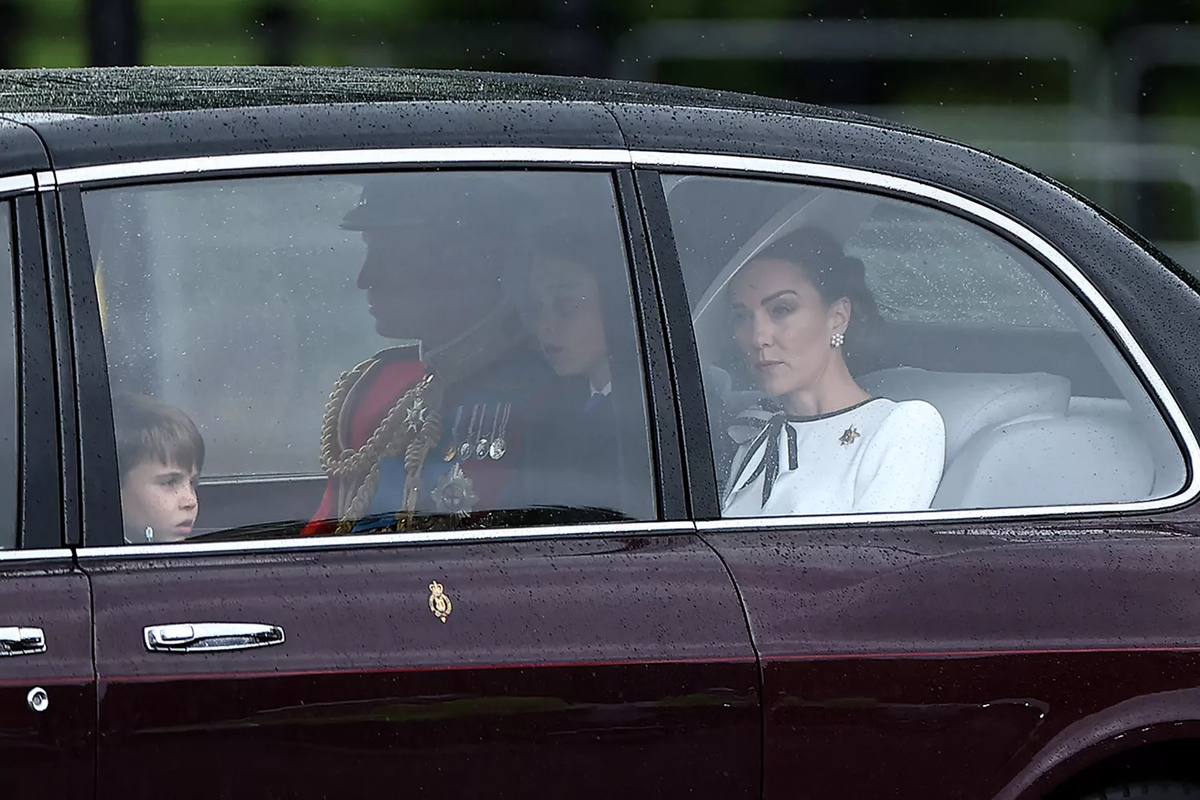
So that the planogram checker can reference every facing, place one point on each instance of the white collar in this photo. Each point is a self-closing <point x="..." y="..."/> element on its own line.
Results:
<point x="607" y="390"/>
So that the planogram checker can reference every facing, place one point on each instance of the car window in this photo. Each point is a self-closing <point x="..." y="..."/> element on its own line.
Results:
<point x="910" y="251"/>
<point x="360" y="353"/>
<point x="8" y="397"/>
<point x="867" y="354"/>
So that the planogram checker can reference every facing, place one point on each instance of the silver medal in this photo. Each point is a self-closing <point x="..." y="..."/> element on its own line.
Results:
<point x="481" y="446"/>
<point x="466" y="448"/>
<point x="499" y="447"/>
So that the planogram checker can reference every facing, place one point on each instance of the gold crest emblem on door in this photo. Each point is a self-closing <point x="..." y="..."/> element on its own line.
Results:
<point x="439" y="601"/>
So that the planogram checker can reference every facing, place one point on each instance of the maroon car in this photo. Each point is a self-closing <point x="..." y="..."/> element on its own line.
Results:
<point x="418" y="434"/>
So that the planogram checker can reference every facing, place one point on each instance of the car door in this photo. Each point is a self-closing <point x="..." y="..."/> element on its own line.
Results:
<point x="1031" y="607"/>
<point x="538" y="619"/>
<point x="47" y="685"/>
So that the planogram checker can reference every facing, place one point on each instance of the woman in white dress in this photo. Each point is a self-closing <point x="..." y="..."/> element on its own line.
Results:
<point x="828" y="447"/>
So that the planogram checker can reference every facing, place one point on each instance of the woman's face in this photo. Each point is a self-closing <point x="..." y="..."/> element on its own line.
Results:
<point x="782" y="326"/>
<point x="567" y="317"/>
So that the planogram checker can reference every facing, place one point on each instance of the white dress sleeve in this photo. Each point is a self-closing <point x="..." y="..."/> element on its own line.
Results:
<point x="903" y="464"/>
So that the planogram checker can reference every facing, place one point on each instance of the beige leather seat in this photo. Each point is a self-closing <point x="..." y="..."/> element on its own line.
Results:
<point x="1016" y="440"/>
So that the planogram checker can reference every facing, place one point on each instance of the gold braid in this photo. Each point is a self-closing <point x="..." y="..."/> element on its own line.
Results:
<point x="358" y="469"/>
<point x="339" y="463"/>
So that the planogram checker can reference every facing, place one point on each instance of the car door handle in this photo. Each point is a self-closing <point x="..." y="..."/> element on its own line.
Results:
<point x="208" y="637"/>
<point x="22" y="641"/>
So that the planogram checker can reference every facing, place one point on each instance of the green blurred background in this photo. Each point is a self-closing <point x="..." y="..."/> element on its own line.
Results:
<point x="1101" y="94"/>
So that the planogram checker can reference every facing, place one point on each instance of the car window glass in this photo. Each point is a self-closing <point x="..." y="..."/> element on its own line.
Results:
<point x="910" y="251"/>
<point x="8" y="397"/>
<point x="867" y="354"/>
<point x="406" y="351"/>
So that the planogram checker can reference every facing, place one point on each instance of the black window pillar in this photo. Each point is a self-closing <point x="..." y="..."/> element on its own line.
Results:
<point x="114" y="33"/>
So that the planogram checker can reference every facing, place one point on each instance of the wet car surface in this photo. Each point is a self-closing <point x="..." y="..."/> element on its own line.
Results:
<point x="509" y="596"/>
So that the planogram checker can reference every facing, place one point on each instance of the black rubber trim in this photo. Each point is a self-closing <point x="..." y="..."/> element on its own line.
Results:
<point x="99" y="477"/>
<point x="39" y="447"/>
<point x="10" y="390"/>
<point x="64" y="368"/>
<point x="664" y="423"/>
<point x="684" y="361"/>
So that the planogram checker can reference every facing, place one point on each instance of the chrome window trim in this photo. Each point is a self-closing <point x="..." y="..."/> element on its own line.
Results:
<point x="237" y="480"/>
<point x="734" y="165"/>
<point x="200" y="165"/>
<point x="949" y="516"/>
<point x="486" y="535"/>
<point x="54" y="554"/>
<point x="17" y="183"/>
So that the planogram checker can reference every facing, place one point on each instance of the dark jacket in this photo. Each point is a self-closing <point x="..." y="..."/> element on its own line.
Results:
<point x="570" y="452"/>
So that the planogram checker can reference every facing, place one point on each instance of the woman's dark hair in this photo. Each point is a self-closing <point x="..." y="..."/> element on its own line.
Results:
<point x="599" y="253"/>
<point x="147" y="428"/>
<point x="835" y="275"/>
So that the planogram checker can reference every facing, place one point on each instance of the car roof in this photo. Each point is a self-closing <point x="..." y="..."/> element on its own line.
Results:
<point x="107" y="91"/>
<point x="109" y="115"/>
<point x="98" y="116"/>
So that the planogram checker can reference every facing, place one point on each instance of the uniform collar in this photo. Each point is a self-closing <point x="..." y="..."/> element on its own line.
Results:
<point x="480" y="346"/>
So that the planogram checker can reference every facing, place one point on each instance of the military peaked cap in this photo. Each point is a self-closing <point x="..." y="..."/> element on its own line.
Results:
<point x="436" y="198"/>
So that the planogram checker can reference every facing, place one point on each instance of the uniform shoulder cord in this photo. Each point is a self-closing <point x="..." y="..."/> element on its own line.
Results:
<point x="412" y="426"/>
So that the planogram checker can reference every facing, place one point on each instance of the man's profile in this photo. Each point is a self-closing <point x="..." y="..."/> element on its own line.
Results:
<point x="431" y="424"/>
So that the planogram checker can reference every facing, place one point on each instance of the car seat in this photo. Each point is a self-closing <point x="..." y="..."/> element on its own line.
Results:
<point x="1012" y="440"/>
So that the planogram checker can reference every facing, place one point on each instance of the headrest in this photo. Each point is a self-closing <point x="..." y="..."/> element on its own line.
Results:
<point x="970" y="402"/>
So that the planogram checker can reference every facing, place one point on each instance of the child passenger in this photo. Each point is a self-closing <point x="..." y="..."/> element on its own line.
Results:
<point x="575" y="461"/>
<point x="160" y="454"/>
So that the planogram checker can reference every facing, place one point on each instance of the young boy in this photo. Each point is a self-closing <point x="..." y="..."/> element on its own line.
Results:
<point x="160" y="454"/>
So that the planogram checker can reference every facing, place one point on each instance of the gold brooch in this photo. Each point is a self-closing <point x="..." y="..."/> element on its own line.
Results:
<point x="848" y="436"/>
<point x="439" y="601"/>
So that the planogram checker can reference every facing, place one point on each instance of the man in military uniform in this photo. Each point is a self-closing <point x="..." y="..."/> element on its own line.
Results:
<point x="426" y="432"/>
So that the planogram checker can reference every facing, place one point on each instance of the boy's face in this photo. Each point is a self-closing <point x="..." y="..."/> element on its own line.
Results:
<point x="159" y="496"/>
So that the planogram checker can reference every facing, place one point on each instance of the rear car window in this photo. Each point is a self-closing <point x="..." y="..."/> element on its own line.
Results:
<point x="390" y="352"/>
<point x="865" y="354"/>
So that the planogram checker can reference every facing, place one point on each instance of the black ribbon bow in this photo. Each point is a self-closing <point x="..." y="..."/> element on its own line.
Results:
<point x="769" y="464"/>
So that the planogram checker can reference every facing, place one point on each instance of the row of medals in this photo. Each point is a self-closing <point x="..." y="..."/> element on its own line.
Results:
<point x="476" y="445"/>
